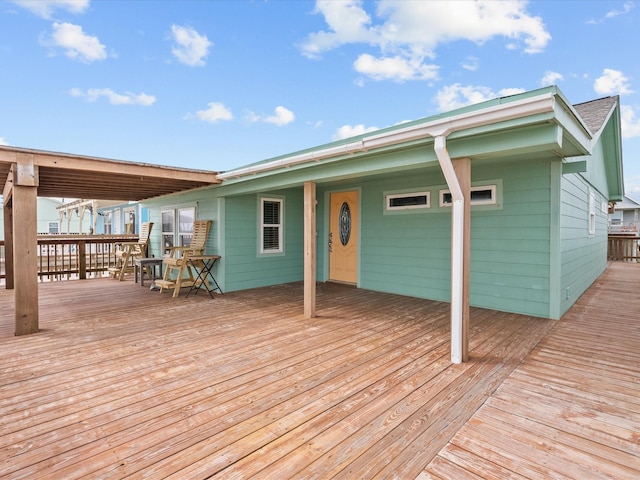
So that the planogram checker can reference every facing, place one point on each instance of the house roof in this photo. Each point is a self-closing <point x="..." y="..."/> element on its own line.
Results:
<point x="76" y="176"/>
<point x="628" y="203"/>
<point x="543" y="107"/>
<point x="595" y="112"/>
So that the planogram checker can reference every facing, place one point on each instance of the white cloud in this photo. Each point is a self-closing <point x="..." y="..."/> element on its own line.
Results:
<point x="395" y="68"/>
<point x="626" y="8"/>
<point x="348" y="23"/>
<point x="632" y="186"/>
<point x="456" y="96"/>
<point x="127" y="98"/>
<point x="283" y="116"/>
<point x="630" y="124"/>
<point x="507" y="92"/>
<point x="347" y="131"/>
<point x="411" y="31"/>
<point x="612" y="82"/>
<point x="77" y="44"/>
<point x="45" y="8"/>
<point x="471" y="64"/>
<point x="3" y="141"/>
<point x="215" y="113"/>
<point x="551" y="78"/>
<point x="191" y="48"/>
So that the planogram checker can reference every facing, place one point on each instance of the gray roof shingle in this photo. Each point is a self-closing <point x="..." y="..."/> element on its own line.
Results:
<point x="595" y="112"/>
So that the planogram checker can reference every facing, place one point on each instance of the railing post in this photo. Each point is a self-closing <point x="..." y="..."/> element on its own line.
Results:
<point x="82" y="259"/>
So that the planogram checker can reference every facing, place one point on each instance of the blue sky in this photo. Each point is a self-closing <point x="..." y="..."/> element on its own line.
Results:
<point x="220" y="84"/>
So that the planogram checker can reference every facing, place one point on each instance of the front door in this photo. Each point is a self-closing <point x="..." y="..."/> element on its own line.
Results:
<point x="343" y="237"/>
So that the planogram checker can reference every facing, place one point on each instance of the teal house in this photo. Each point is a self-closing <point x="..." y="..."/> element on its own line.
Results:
<point x="501" y="204"/>
<point x="48" y="221"/>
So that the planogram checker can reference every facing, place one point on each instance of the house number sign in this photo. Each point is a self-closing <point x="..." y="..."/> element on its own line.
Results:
<point x="344" y="223"/>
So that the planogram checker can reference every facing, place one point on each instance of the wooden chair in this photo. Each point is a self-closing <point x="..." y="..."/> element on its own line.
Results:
<point x="178" y="271"/>
<point x="130" y="250"/>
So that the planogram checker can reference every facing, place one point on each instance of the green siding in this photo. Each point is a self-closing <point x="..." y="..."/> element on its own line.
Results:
<point x="510" y="247"/>
<point x="409" y="254"/>
<point x="245" y="267"/>
<point x="584" y="256"/>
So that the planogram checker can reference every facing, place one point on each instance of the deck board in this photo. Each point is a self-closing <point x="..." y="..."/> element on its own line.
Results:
<point x="571" y="409"/>
<point x="123" y="382"/>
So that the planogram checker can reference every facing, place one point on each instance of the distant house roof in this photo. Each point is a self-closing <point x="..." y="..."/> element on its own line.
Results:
<point x="595" y="112"/>
<point x="628" y="203"/>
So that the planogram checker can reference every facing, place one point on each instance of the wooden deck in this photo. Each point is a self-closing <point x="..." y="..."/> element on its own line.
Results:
<point x="123" y="382"/>
<point x="572" y="408"/>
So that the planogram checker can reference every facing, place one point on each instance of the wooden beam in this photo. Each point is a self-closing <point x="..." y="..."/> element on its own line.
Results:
<point x="462" y="167"/>
<point x="8" y="241"/>
<point x="310" y="266"/>
<point x="7" y="191"/>
<point x="25" y="247"/>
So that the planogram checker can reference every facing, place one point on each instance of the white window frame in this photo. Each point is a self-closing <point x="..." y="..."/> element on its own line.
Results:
<point x="390" y="197"/>
<point x="264" y="226"/>
<point x="180" y="234"/>
<point x="130" y="218"/>
<point x="492" y="201"/>
<point x="53" y="226"/>
<point x="107" y="222"/>
<point x="168" y="236"/>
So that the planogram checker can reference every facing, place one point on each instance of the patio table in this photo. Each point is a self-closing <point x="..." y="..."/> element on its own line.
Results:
<point x="142" y="263"/>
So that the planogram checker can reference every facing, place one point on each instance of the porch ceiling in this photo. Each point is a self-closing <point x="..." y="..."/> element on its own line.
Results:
<point x="75" y="176"/>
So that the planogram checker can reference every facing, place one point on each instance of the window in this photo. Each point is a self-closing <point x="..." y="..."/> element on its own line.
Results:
<point x="177" y="227"/>
<point x="592" y="214"/>
<point x="168" y="225"/>
<point x="186" y="217"/>
<point x="406" y="201"/>
<point x="54" y="227"/>
<point x="107" y="222"/>
<point x="480" y="195"/>
<point x="271" y="225"/>
<point x="129" y="220"/>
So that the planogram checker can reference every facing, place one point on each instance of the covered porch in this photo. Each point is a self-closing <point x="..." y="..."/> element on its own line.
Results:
<point x="132" y="383"/>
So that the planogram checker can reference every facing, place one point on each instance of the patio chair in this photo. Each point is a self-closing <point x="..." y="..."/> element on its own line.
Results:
<point x="130" y="250"/>
<point x="178" y="272"/>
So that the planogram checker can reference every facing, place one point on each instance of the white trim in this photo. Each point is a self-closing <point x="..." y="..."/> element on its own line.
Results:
<point x="592" y="214"/>
<point x="279" y="225"/>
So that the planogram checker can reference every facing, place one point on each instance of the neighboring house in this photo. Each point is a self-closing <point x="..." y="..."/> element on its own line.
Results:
<point x="120" y="217"/>
<point x="542" y="174"/>
<point x="75" y="216"/>
<point x="625" y="217"/>
<point x="101" y="217"/>
<point x="48" y="218"/>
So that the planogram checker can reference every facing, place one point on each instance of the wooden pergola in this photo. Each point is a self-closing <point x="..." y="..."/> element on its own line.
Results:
<point x="35" y="173"/>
